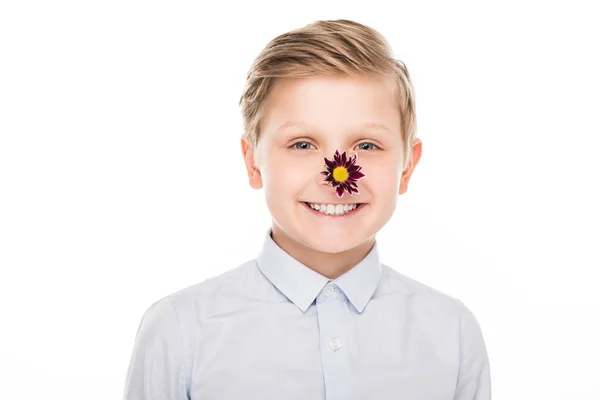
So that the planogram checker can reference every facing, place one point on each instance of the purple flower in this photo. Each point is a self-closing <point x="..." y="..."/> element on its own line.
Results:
<point x="342" y="173"/>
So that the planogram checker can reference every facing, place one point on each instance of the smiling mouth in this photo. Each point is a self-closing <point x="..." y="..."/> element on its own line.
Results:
<point x="334" y="210"/>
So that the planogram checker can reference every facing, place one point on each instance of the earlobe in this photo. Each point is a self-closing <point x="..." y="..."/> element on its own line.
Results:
<point x="254" y="176"/>
<point x="404" y="181"/>
<point x="256" y="180"/>
<point x="416" y="156"/>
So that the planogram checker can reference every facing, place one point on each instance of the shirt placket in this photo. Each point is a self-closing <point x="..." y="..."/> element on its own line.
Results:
<point x="334" y="342"/>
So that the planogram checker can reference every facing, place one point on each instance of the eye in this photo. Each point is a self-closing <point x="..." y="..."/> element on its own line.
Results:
<point x="304" y="146"/>
<point x="368" y="143"/>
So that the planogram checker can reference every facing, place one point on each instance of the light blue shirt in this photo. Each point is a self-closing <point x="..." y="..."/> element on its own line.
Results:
<point x="274" y="329"/>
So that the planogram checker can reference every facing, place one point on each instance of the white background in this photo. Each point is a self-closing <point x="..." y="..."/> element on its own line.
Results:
<point x="122" y="180"/>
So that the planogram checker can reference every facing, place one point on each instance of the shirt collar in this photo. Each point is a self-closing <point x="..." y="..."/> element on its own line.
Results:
<point x="301" y="284"/>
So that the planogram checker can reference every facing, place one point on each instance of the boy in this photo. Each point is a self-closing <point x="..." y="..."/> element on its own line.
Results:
<point x="330" y="135"/>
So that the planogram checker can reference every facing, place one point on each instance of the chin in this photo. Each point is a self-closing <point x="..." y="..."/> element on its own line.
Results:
<point x="334" y="248"/>
<point x="330" y="242"/>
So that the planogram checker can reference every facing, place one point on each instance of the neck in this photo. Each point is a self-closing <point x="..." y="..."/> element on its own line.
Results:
<point x="330" y="265"/>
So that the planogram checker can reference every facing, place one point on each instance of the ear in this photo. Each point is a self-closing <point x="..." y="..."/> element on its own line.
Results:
<point x="254" y="175"/>
<point x="416" y="156"/>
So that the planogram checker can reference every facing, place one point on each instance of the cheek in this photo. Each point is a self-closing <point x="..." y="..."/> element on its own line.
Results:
<point x="287" y="170"/>
<point x="284" y="175"/>
<point x="382" y="186"/>
<point x="382" y="177"/>
<point x="285" y="179"/>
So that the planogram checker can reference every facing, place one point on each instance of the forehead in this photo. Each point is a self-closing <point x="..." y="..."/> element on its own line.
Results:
<point x="331" y="103"/>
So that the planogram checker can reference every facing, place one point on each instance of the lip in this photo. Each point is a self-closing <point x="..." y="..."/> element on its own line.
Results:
<point x="328" y="216"/>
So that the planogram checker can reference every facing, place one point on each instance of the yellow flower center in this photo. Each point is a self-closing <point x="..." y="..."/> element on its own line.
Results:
<point x="340" y="174"/>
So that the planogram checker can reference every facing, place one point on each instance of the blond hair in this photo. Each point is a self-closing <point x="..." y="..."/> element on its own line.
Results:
<point x="334" y="47"/>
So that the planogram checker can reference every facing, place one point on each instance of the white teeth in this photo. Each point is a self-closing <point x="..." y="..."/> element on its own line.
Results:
<point x="333" y="209"/>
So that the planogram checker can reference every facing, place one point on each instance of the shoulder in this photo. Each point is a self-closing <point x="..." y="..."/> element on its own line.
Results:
<point x="422" y="297"/>
<point x="174" y="314"/>
<point x="433" y="312"/>
<point x="233" y="283"/>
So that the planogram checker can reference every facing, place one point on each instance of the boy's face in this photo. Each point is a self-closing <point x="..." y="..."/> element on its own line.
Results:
<point x="333" y="112"/>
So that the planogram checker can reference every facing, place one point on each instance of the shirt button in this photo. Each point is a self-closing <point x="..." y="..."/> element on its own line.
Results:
<point x="328" y="292"/>
<point x="335" y="344"/>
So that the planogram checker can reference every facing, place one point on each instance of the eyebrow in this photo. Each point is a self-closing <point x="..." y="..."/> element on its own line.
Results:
<point x="300" y="124"/>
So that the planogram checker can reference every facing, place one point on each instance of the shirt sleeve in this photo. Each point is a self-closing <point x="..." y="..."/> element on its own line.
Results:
<point x="474" y="370"/>
<point x="157" y="367"/>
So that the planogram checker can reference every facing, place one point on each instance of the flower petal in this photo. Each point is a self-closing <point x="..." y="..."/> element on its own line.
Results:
<point x="345" y="161"/>
<point x="357" y="175"/>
